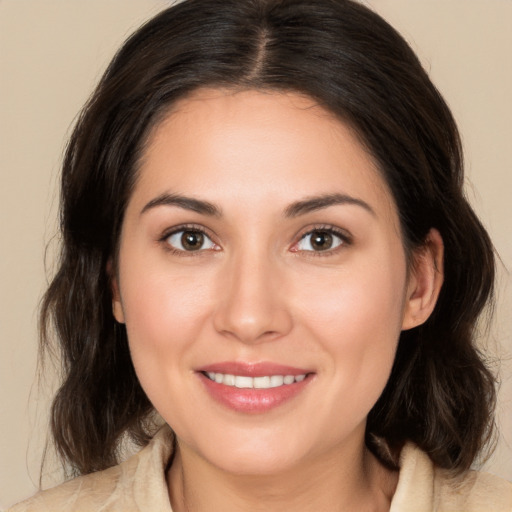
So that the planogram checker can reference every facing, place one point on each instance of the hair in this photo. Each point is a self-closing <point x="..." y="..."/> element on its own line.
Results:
<point x="440" y="394"/>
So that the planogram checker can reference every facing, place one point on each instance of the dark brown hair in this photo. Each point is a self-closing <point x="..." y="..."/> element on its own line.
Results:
<point x="440" y="394"/>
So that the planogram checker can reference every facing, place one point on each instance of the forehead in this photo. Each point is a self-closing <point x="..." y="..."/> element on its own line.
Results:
<point x="258" y="146"/>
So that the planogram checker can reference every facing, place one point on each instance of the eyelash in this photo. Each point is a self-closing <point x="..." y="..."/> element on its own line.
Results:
<point x="345" y="240"/>
<point x="186" y="227"/>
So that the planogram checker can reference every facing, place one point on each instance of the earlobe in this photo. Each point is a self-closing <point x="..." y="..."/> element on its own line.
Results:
<point x="117" y="307"/>
<point x="425" y="281"/>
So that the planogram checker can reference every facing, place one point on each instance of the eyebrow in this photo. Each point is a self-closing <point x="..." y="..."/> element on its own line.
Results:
<point x="315" y="203"/>
<point x="187" y="203"/>
<point x="294" y="210"/>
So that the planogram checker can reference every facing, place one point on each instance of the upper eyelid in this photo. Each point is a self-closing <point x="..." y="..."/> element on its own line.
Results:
<point x="342" y="233"/>
<point x="168" y="246"/>
<point x="337" y="231"/>
<point x="166" y="233"/>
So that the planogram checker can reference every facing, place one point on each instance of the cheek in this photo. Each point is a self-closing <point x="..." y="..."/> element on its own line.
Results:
<point x="164" y="313"/>
<point x="164" y="316"/>
<point x="356" y="316"/>
<point x="359" y="299"/>
<point x="159" y="299"/>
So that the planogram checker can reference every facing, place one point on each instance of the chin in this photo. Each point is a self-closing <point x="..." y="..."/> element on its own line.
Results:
<point x="266" y="462"/>
<point x="252" y="452"/>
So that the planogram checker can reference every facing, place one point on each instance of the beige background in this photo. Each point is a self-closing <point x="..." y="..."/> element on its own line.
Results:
<point x="51" y="54"/>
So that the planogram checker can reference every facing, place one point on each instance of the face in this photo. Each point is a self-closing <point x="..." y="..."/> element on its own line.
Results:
<point x="262" y="280"/>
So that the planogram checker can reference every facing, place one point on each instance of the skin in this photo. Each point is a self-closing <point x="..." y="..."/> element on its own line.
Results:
<point x="259" y="292"/>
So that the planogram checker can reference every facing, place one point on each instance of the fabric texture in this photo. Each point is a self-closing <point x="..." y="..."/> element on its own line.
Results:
<point x="139" y="485"/>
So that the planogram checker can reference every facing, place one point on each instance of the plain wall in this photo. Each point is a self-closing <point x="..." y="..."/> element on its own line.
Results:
<point x="52" y="52"/>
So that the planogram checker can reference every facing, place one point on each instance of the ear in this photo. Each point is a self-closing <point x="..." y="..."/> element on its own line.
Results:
<point x="117" y="307"/>
<point x="425" y="281"/>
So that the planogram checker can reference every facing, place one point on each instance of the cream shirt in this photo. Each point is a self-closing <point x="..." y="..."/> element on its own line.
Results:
<point x="139" y="485"/>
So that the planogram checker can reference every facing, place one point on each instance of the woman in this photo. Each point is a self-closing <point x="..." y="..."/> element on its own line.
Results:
<point x="265" y="241"/>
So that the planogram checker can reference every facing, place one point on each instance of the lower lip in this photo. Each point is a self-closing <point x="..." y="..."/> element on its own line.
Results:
<point x="252" y="401"/>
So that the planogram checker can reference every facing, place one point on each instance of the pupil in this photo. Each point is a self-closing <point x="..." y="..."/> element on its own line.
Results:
<point x="192" y="240"/>
<point x="321" y="240"/>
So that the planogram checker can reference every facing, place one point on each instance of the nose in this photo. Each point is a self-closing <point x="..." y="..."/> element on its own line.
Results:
<point x="252" y="305"/>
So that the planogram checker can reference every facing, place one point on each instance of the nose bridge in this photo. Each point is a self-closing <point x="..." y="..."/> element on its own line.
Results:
<point x="251" y="306"/>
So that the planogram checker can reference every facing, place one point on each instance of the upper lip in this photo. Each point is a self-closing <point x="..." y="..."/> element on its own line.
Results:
<point x="260" y="369"/>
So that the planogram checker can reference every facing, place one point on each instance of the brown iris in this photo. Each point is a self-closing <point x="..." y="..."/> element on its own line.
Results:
<point x="321" y="240"/>
<point x="192" y="240"/>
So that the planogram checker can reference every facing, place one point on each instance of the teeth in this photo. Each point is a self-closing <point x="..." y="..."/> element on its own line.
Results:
<point x="289" y="379"/>
<point x="276" y="381"/>
<point x="228" y="380"/>
<point x="261" y="382"/>
<point x="243" y="381"/>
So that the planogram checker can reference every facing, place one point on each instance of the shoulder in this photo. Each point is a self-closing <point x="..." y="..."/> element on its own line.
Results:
<point x="425" y="488"/>
<point x="474" y="492"/>
<point x="136" y="484"/>
<point x="89" y="492"/>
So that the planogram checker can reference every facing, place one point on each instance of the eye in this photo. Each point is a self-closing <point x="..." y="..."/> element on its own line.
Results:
<point x="320" y="240"/>
<point x="190" y="240"/>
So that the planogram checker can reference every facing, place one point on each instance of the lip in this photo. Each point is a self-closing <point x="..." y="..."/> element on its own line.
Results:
<point x="253" y="369"/>
<point x="248" y="400"/>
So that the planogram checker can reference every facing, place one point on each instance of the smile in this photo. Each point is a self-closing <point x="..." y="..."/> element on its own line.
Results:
<point x="247" y="382"/>
<point x="254" y="388"/>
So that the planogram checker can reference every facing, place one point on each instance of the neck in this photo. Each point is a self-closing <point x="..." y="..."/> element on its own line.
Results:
<point x="353" y="481"/>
